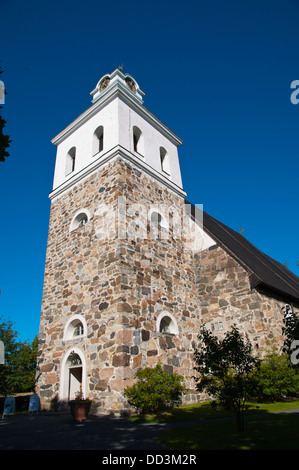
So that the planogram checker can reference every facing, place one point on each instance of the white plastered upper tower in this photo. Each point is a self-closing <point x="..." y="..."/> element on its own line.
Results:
<point x="116" y="125"/>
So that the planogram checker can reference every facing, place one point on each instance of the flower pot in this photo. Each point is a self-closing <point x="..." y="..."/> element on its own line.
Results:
<point x="80" y="409"/>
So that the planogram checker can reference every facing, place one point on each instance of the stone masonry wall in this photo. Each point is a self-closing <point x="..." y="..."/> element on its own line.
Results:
<point x="225" y="299"/>
<point x="119" y="285"/>
<point x="122" y="281"/>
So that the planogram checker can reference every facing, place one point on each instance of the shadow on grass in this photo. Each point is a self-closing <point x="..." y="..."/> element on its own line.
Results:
<point x="263" y="432"/>
<point x="204" y="411"/>
<point x="202" y="427"/>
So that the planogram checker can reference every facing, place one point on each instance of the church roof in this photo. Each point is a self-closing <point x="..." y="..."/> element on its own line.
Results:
<point x="262" y="269"/>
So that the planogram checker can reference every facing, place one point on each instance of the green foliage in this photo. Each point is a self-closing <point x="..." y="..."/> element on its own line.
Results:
<point x="155" y="390"/>
<point x="225" y="370"/>
<point x="17" y="374"/>
<point x="276" y="379"/>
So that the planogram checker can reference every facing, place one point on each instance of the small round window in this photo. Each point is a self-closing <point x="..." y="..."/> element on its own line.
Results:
<point x="80" y="219"/>
<point x="166" y="323"/>
<point x="75" y="328"/>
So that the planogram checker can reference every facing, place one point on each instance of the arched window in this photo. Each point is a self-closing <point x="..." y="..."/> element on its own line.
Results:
<point x="70" y="161"/>
<point x="80" y="219"/>
<point x="138" y="141"/>
<point x="75" y="328"/>
<point x="98" y="140"/>
<point x="166" y="323"/>
<point x="164" y="158"/>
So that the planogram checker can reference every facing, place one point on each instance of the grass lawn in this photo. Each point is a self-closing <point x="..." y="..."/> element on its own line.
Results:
<point x="211" y="429"/>
<point x="263" y="432"/>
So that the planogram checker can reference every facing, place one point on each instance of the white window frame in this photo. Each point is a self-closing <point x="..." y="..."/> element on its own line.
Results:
<point x="71" y="325"/>
<point x="174" y="330"/>
<point x="76" y="221"/>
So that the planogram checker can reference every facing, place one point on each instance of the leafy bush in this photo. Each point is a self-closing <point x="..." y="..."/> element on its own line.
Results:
<point x="225" y="370"/>
<point x="155" y="390"/>
<point x="276" y="378"/>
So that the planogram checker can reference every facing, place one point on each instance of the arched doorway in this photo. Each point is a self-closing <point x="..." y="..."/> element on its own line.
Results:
<point x="74" y="366"/>
<point x="73" y="375"/>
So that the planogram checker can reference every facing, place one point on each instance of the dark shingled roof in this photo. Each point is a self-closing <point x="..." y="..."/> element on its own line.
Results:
<point x="263" y="271"/>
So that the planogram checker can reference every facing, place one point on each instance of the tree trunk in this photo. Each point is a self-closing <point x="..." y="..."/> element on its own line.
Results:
<point x="240" y="420"/>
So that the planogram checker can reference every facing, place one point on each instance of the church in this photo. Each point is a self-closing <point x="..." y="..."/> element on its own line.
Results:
<point x="133" y="269"/>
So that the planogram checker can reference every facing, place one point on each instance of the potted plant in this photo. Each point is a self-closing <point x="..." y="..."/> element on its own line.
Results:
<point x="80" y="407"/>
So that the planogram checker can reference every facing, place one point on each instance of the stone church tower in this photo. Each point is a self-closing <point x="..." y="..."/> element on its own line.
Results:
<point x="132" y="270"/>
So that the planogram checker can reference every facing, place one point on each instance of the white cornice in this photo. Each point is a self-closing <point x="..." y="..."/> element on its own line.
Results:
<point x="116" y="152"/>
<point x="117" y="91"/>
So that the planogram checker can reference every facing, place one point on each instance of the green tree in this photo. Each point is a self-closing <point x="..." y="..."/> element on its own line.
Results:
<point x="4" y="139"/>
<point x="25" y="366"/>
<point x="17" y="374"/>
<point x="155" y="390"/>
<point x="224" y="368"/>
<point x="276" y="378"/>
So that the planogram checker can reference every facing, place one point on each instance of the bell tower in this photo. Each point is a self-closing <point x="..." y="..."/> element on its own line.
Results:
<point x="117" y="123"/>
<point x="119" y="280"/>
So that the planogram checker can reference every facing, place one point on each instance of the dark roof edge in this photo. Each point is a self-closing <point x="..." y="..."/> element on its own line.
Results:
<point x="282" y="280"/>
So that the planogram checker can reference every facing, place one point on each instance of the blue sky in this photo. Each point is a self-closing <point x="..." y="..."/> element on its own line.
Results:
<point x="217" y="73"/>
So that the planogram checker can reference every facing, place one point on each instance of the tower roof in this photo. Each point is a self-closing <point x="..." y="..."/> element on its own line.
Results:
<point x="117" y="84"/>
<point x="117" y="79"/>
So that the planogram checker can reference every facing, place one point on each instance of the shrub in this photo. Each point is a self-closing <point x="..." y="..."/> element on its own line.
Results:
<point x="155" y="390"/>
<point x="276" y="378"/>
<point x="225" y="370"/>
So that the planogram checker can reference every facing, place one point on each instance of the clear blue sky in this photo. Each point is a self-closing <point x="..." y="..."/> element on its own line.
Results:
<point x="217" y="73"/>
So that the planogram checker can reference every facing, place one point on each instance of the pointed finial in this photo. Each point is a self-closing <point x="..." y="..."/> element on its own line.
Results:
<point x="241" y="231"/>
